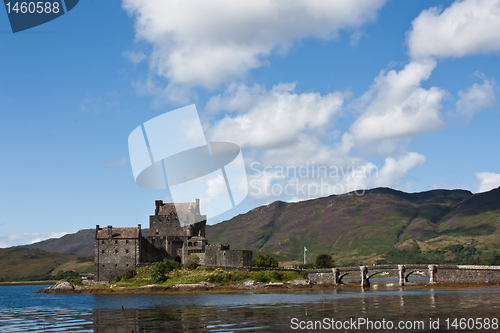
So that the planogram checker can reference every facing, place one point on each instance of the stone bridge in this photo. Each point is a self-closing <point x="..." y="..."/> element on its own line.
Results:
<point x="444" y="274"/>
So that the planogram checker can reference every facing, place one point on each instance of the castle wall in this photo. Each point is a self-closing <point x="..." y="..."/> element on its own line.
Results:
<point x="154" y="249"/>
<point x="214" y="256"/>
<point x="165" y="225"/>
<point x="114" y="257"/>
<point x="116" y="250"/>
<point x="175" y="247"/>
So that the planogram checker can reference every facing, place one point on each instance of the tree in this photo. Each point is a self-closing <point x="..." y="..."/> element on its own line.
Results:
<point x="160" y="270"/>
<point x="192" y="261"/>
<point x="264" y="261"/>
<point x="324" y="261"/>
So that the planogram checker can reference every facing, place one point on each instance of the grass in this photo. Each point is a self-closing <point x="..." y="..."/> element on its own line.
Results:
<point x="216" y="276"/>
<point x="74" y="265"/>
<point x="32" y="265"/>
<point x="24" y="283"/>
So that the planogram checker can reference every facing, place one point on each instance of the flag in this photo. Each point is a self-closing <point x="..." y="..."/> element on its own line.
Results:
<point x="305" y="249"/>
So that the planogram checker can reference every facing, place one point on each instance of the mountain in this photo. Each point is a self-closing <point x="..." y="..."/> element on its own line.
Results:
<point x="81" y="242"/>
<point x="382" y="225"/>
<point x="368" y="228"/>
<point x="21" y="264"/>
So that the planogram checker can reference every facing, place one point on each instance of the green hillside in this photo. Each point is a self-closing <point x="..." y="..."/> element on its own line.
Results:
<point x="383" y="225"/>
<point x="30" y="265"/>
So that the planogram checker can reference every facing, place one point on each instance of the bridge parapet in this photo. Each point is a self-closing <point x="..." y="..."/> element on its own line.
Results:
<point x="444" y="274"/>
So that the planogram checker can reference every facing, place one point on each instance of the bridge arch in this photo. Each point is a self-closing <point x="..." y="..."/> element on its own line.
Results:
<point x="411" y="271"/>
<point x="343" y="274"/>
<point x="375" y="272"/>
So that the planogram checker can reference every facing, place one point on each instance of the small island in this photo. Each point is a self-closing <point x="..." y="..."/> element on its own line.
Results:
<point x="171" y="276"/>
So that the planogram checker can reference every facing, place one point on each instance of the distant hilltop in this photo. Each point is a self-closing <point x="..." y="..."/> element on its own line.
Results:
<point x="382" y="225"/>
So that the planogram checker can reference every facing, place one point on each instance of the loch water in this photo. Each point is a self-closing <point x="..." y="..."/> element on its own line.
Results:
<point x="23" y="310"/>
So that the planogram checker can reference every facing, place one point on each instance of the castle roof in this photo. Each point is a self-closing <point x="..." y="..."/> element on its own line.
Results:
<point x="198" y="238"/>
<point x="118" y="233"/>
<point x="179" y="208"/>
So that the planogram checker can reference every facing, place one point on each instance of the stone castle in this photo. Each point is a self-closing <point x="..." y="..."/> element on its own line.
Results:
<point x="175" y="232"/>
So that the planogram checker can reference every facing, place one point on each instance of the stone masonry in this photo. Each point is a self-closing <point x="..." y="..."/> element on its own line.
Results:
<point x="116" y="250"/>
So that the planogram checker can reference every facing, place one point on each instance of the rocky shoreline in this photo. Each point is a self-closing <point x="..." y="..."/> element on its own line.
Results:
<point x="64" y="287"/>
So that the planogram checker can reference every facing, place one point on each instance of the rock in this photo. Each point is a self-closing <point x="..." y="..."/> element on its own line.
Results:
<point x="300" y="283"/>
<point x="149" y="286"/>
<point x="94" y="283"/>
<point x="63" y="285"/>
<point x="201" y="285"/>
<point x="249" y="283"/>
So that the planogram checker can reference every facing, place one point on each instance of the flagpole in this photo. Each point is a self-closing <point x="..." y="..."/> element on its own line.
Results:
<point x="304" y="255"/>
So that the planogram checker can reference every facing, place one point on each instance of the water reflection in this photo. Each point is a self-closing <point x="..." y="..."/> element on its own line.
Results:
<point x="210" y="312"/>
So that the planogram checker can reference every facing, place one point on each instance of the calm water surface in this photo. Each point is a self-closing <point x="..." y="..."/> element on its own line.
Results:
<point x="21" y="310"/>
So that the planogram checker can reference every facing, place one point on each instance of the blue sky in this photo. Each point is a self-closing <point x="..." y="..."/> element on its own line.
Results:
<point x="403" y="92"/>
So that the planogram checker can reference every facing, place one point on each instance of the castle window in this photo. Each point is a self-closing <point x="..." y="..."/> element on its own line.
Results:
<point x="127" y="265"/>
<point x="116" y="242"/>
<point x="126" y="251"/>
<point x="102" y="242"/>
<point x="190" y="244"/>
<point x="157" y="231"/>
<point x="116" y="265"/>
<point x="102" y="265"/>
<point x="102" y="251"/>
<point x="195" y="243"/>
<point x="116" y="251"/>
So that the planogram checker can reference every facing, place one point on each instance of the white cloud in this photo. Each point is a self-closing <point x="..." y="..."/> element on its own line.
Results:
<point x="396" y="106"/>
<point x="282" y="131"/>
<point x="216" y="189"/>
<point x="466" y="27"/>
<point x="206" y="43"/>
<point x="476" y="98"/>
<point x="395" y="170"/>
<point x="134" y="57"/>
<point x="310" y="180"/>
<point x="487" y="181"/>
<point x="25" y="238"/>
<point x="272" y="118"/>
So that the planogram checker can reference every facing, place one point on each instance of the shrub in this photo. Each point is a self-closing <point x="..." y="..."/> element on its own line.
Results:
<point x="306" y="266"/>
<point x="160" y="270"/>
<point x="192" y="261"/>
<point x="74" y="281"/>
<point x="275" y="276"/>
<point x="264" y="261"/>
<point x="261" y="277"/>
<point x="130" y="274"/>
<point x="239" y="276"/>
<point x="209" y="269"/>
<point x="219" y="276"/>
<point x="324" y="261"/>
